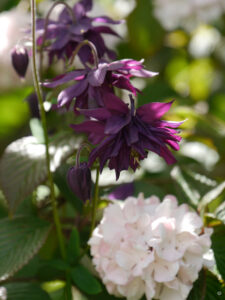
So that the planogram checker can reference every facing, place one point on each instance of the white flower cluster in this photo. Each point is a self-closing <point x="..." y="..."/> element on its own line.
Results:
<point x="187" y="14"/>
<point x="146" y="247"/>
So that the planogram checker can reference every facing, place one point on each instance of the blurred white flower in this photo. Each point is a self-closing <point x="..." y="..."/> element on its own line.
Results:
<point x="187" y="14"/>
<point x="204" y="41"/>
<point x="12" y="25"/>
<point x="146" y="247"/>
<point x="3" y="293"/>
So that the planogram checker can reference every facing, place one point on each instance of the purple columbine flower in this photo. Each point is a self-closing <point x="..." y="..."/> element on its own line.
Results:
<point x="124" y="136"/>
<point x="20" y="60"/>
<point x="93" y="84"/>
<point x="69" y="30"/>
<point x="79" y="180"/>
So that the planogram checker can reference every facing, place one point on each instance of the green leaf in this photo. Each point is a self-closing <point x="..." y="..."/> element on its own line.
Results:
<point x="85" y="281"/>
<point x="157" y="91"/>
<point x="73" y="248"/>
<point x="23" y="167"/>
<point x="220" y="212"/>
<point x="37" y="130"/>
<point x="218" y="246"/>
<point x="207" y="287"/>
<point x="145" y="32"/>
<point x="189" y="191"/>
<point x="58" y="264"/>
<point x="8" y="4"/>
<point x="14" y="113"/>
<point x="212" y="195"/>
<point x="25" y="291"/>
<point x="141" y="186"/>
<point x="20" y="240"/>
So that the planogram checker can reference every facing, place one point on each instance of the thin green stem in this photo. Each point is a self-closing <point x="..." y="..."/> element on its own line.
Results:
<point x="83" y="145"/>
<point x="44" y="125"/>
<point x="93" y="50"/>
<point x="95" y="201"/>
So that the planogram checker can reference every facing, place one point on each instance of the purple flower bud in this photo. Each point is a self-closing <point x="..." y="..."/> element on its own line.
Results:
<point x="20" y="60"/>
<point x="79" y="180"/>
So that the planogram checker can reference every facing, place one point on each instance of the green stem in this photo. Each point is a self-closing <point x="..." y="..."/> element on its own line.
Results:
<point x="44" y="125"/>
<point x="93" y="50"/>
<point x="95" y="202"/>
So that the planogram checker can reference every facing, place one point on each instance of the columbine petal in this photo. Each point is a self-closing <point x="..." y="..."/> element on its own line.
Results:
<point x="143" y="73"/>
<point x="105" y="19"/>
<point x="114" y="103"/>
<point x="153" y="111"/>
<point x="122" y="191"/>
<point x="61" y="79"/>
<point x="66" y="96"/>
<point x="97" y="77"/>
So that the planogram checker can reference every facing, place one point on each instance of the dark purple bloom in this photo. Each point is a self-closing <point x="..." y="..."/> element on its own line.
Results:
<point x="32" y="101"/>
<point x="67" y="32"/>
<point x="92" y="84"/>
<point x="124" y="135"/>
<point x="122" y="191"/>
<point x="20" y="60"/>
<point x="79" y="180"/>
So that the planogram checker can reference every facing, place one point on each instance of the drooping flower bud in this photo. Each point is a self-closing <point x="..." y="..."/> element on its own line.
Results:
<point x="79" y="180"/>
<point x="20" y="60"/>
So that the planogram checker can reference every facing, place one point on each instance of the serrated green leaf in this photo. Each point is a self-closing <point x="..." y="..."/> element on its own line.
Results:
<point x="20" y="240"/>
<point x="207" y="287"/>
<point x="23" y="167"/>
<point x="218" y="246"/>
<point x="25" y="291"/>
<point x="73" y="247"/>
<point x="85" y="281"/>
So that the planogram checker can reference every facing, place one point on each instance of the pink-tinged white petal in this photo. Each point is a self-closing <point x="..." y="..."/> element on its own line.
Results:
<point x="131" y="211"/>
<point x="138" y="249"/>
<point x="133" y="290"/>
<point x="118" y="276"/>
<point x="172" y="294"/>
<point x="165" y="271"/>
<point x="191" y="222"/>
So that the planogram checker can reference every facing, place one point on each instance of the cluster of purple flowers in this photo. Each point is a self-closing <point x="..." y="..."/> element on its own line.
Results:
<point x="122" y="134"/>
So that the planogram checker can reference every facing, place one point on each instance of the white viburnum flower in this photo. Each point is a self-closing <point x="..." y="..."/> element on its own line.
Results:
<point x="189" y="14"/>
<point x="144" y="246"/>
